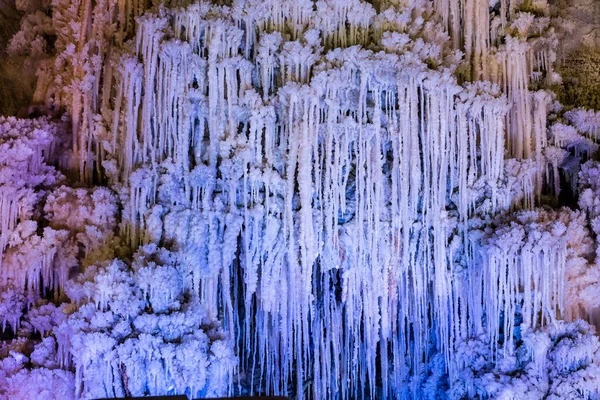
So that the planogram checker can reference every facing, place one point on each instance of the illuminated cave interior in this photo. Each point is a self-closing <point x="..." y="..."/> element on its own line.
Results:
<point x="333" y="199"/>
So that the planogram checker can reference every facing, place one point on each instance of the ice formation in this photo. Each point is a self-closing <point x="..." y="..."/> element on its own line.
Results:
<point x="330" y="199"/>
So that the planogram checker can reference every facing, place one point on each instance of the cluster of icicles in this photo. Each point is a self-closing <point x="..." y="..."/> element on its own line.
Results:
<point x="25" y="147"/>
<point x="317" y="173"/>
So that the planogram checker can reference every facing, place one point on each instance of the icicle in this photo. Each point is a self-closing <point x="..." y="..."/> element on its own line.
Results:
<point x="267" y="62"/>
<point x="329" y="196"/>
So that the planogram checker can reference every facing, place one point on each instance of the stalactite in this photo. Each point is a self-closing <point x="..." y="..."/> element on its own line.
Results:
<point x="330" y="176"/>
<point x="352" y="149"/>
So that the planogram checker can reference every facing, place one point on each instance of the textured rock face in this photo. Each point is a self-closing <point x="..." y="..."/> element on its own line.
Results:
<point x="579" y="54"/>
<point x="17" y="74"/>
<point x="586" y="16"/>
<point x="10" y="18"/>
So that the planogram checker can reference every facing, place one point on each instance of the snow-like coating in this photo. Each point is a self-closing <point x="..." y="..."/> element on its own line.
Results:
<point x="331" y="199"/>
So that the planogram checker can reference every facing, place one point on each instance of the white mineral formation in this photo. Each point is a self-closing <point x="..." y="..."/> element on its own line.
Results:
<point x="331" y="199"/>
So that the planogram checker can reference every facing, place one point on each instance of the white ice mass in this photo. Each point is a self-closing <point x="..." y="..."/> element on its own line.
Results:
<point x="331" y="199"/>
